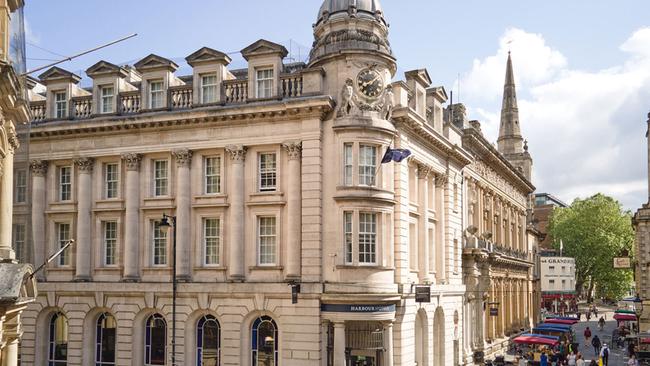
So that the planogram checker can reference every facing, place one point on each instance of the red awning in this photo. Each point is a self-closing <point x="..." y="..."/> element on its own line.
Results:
<point x="560" y="321"/>
<point x="535" y="340"/>
<point x="558" y="296"/>
<point x="621" y="317"/>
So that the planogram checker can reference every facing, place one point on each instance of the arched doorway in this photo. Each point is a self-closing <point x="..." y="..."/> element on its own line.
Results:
<point x="439" y="337"/>
<point x="421" y="339"/>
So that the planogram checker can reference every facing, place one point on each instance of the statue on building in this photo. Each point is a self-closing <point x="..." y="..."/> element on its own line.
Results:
<point x="347" y="99"/>
<point x="389" y="104"/>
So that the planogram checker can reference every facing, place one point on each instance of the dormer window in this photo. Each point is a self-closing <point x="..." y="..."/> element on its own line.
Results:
<point x="60" y="104"/>
<point x="208" y="89"/>
<point x="264" y="83"/>
<point x="107" y="99"/>
<point x="156" y="94"/>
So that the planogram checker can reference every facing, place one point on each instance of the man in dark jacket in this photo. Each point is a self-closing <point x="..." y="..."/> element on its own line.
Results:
<point x="596" y="343"/>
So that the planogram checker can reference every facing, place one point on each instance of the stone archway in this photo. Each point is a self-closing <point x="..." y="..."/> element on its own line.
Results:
<point x="439" y="337"/>
<point x="421" y="339"/>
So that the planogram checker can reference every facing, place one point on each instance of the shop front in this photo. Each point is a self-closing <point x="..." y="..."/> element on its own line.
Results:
<point x="359" y="334"/>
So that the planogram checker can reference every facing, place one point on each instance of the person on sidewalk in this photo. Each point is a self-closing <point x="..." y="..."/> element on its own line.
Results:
<point x="596" y="344"/>
<point x="587" y="335"/>
<point x="632" y="361"/>
<point x="579" y="360"/>
<point x="601" y="323"/>
<point x="604" y="354"/>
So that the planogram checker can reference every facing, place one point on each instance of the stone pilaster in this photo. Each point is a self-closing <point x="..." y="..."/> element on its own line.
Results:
<point x="388" y="344"/>
<point x="294" y="150"/>
<point x="423" y="230"/>
<point x="6" y="206"/>
<point x="339" y="344"/>
<point x="84" y="202"/>
<point x="236" y="217"/>
<point x="39" y="171"/>
<point x="183" y="213"/>
<point x="132" y="217"/>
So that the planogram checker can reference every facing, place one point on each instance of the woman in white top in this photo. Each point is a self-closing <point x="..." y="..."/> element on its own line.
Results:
<point x="580" y="361"/>
<point x="572" y="359"/>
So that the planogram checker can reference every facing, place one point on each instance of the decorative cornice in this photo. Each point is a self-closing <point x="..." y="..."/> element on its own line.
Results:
<point x="12" y="138"/>
<point x="294" y="148"/>
<point x="183" y="157"/>
<point x="237" y="152"/>
<point x="132" y="161"/>
<point x="38" y="167"/>
<point x="85" y="165"/>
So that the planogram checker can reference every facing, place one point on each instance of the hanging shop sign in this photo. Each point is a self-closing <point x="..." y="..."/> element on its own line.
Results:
<point x="422" y="293"/>
<point x="357" y="308"/>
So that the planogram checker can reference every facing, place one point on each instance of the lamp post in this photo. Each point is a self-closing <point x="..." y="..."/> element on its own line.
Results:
<point x="165" y="225"/>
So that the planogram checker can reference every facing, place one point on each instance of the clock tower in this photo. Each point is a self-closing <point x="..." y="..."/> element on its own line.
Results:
<point x="351" y="45"/>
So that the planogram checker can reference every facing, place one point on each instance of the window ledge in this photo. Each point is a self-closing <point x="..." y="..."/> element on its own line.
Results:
<point x="363" y="266"/>
<point x="211" y="268"/>
<point x="110" y="200"/>
<point x="265" y="268"/>
<point x="267" y="194"/>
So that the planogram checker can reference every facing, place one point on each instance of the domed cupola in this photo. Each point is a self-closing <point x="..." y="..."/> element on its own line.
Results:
<point x="350" y="25"/>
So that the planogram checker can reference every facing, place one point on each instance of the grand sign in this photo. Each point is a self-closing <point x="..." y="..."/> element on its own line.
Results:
<point x="357" y="308"/>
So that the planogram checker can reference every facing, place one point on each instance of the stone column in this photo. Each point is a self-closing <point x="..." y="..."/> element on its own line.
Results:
<point x="388" y="344"/>
<point x="84" y="202"/>
<point x="183" y="214"/>
<point x="324" y="336"/>
<point x="6" y="205"/>
<point x="39" y="170"/>
<point x="10" y="353"/>
<point x="502" y="312"/>
<point x="423" y="223"/>
<point x="339" y="344"/>
<point x="236" y="218"/>
<point x="294" y="203"/>
<point x="132" y="218"/>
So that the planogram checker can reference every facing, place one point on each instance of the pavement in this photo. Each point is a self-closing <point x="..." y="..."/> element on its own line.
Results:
<point x="617" y="357"/>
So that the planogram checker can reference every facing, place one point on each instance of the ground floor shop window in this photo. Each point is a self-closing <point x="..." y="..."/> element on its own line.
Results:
<point x="208" y="350"/>
<point x="58" y="340"/>
<point x="155" y="340"/>
<point x="264" y="334"/>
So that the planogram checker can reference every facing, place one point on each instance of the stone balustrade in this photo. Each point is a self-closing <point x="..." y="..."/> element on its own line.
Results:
<point x="235" y="91"/>
<point x="82" y="107"/>
<point x="130" y="102"/>
<point x="181" y="96"/>
<point x="38" y="110"/>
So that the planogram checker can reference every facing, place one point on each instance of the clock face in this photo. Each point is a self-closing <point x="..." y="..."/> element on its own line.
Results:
<point x="370" y="83"/>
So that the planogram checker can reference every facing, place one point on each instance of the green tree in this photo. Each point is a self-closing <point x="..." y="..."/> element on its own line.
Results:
<point x="594" y="231"/>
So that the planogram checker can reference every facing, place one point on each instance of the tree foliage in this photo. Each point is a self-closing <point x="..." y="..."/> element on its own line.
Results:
<point x="594" y="231"/>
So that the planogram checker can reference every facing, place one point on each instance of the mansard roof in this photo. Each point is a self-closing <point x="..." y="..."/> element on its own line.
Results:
<point x="154" y="62"/>
<point x="207" y="54"/>
<point x="421" y="75"/>
<point x="105" y="68"/>
<point x="264" y="47"/>
<point x="56" y="73"/>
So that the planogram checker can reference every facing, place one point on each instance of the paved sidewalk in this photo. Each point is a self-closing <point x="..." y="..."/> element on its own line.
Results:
<point x="617" y="357"/>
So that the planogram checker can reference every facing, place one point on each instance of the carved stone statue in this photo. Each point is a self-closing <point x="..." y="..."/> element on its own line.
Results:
<point x="389" y="104"/>
<point x="347" y="101"/>
<point x="470" y="237"/>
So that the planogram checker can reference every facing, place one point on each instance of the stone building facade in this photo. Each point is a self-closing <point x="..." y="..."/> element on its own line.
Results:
<point x="275" y="178"/>
<point x="498" y="260"/>
<point x="17" y="287"/>
<point x="641" y="223"/>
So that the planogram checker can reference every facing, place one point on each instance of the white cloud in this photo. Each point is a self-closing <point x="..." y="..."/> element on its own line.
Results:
<point x="586" y="129"/>
<point x="30" y="35"/>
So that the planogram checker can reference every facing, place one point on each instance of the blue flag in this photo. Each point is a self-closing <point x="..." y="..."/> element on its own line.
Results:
<point x="396" y="155"/>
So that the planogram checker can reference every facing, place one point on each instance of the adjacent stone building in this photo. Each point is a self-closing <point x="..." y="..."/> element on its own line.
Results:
<point x="498" y="256"/>
<point x="641" y="223"/>
<point x="17" y="287"/>
<point x="297" y="243"/>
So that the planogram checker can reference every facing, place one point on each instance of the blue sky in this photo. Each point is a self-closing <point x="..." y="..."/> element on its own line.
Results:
<point x="580" y="65"/>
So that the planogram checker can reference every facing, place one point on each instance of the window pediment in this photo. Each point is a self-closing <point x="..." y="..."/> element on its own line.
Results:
<point x="207" y="54"/>
<point x="264" y="47"/>
<point x="154" y="62"/>
<point x="58" y="74"/>
<point x="105" y="68"/>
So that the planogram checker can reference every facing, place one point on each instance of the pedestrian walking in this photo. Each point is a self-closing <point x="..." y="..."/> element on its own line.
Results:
<point x="595" y="311"/>
<point x="604" y="354"/>
<point x="587" y="335"/>
<point x="543" y="359"/>
<point x="596" y="344"/>
<point x="632" y="361"/>
<point x="601" y="323"/>
<point x="572" y="359"/>
<point x="631" y="351"/>
<point x="588" y="315"/>
<point x="579" y="360"/>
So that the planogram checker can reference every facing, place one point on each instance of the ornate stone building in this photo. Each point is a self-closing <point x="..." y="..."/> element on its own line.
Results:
<point x="498" y="256"/>
<point x="641" y="223"/>
<point x="274" y="176"/>
<point x="17" y="288"/>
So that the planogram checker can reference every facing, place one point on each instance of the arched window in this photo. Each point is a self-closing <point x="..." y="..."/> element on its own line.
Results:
<point x="208" y="346"/>
<point x="105" y="340"/>
<point x="155" y="340"/>
<point x="264" y="350"/>
<point x="58" y="341"/>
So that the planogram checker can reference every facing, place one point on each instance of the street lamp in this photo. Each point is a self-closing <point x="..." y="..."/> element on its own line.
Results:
<point x="165" y="225"/>
<point x="638" y="310"/>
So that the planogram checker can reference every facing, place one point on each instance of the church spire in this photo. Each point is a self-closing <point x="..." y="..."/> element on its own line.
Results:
<point x="510" y="140"/>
